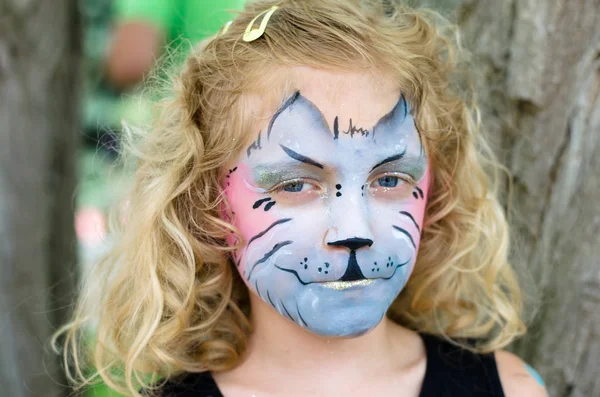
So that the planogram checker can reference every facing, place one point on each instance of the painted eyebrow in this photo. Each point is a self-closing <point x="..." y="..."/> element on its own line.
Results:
<point x="390" y="159"/>
<point x="302" y="158"/>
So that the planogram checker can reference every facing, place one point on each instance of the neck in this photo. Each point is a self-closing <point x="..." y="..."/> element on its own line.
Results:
<point x="279" y="343"/>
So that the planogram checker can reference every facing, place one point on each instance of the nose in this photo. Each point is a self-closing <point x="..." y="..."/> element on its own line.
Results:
<point x="353" y="243"/>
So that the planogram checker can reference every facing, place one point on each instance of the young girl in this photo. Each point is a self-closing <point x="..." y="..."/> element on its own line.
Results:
<point x="311" y="217"/>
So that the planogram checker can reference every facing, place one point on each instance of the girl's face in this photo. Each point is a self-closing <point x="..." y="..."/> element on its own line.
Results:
<point x="329" y="197"/>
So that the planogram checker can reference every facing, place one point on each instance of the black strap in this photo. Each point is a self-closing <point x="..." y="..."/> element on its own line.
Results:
<point x="192" y="385"/>
<point x="453" y="371"/>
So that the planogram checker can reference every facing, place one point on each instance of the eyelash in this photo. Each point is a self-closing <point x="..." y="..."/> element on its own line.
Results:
<point x="402" y="177"/>
<point x="279" y="188"/>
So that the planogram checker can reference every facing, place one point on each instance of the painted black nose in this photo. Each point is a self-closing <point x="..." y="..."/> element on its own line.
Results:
<point x="353" y="243"/>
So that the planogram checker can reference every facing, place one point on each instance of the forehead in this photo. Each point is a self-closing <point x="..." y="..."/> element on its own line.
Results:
<point x="349" y="121"/>
<point x="364" y="97"/>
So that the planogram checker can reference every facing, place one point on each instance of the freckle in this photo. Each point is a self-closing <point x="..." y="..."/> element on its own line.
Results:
<point x="305" y="259"/>
<point x="306" y="266"/>
<point x="326" y="272"/>
<point x="338" y="186"/>
<point x="338" y="194"/>
<point x="320" y="269"/>
<point x="326" y="264"/>
<point x="362" y="187"/>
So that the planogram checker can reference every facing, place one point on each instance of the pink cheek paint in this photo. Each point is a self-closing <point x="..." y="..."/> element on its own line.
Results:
<point x="252" y="211"/>
<point x="414" y="209"/>
<point x="418" y="207"/>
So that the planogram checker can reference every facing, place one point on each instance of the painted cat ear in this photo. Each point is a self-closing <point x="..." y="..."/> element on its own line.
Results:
<point x="255" y="30"/>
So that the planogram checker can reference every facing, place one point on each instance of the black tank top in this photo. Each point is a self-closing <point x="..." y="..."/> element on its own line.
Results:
<point x="451" y="372"/>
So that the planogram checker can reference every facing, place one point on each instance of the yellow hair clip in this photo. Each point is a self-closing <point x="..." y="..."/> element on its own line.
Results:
<point x="254" y="30"/>
<point x="225" y="28"/>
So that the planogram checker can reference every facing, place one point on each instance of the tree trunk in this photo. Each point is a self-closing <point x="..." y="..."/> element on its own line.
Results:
<point x="539" y="65"/>
<point x="39" y="63"/>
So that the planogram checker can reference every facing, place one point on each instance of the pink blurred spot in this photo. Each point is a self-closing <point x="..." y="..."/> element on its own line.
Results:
<point x="90" y="226"/>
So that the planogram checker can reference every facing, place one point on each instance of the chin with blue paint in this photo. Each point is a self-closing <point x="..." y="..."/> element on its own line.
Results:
<point x="330" y="208"/>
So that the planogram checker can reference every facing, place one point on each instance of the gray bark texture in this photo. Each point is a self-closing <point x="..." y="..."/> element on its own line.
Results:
<point x="538" y="63"/>
<point x="39" y="58"/>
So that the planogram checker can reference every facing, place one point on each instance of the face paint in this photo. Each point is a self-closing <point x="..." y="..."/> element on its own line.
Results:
<point x="331" y="218"/>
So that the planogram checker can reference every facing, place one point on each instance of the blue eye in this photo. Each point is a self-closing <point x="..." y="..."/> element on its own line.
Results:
<point x="293" y="187"/>
<point x="388" y="181"/>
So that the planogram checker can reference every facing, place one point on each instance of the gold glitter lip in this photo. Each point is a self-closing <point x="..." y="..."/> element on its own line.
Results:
<point x="342" y="285"/>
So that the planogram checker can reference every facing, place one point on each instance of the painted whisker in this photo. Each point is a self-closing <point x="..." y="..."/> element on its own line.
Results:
<point x="286" y="311"/>
<point x="259" y="235"/>
<point x="398" y="228"/>
<point x="407" y="214"/>
<point x="270" y="300"/>
<point x="300" y="315"/>
<point x="276" y="248"/>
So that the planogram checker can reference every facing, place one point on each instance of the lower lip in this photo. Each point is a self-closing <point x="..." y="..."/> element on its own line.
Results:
<point x="342" y="285"/>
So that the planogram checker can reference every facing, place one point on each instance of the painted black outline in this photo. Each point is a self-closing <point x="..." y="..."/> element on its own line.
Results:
<point x="254" y="146"/>
<point x="259" y="235"/>
<point x="408" y="214"/>
<point x="286" y="105"/>
<point x="286" y="312"/>
<point x="260" y="202"/>
<point x="300" y="315"/>
<point x="300" y="157"/>
<point x="420" y="192"/>
<point x="351" y="130"/>
<point x="397" y="267"/>
<point x="257" y="290"/>
<point x="270" y="300"/>
<point x="276" y="248"/>
<point x="407" y="235"/>
<point x="294" y="273"/>
<point x="336" y="128"/>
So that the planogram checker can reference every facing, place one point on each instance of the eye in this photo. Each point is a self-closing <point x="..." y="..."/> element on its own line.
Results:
<point x="293" y="187"/>
<point x="388" y="181"/>
<point x="296" y="186"/>
<point x="393" y="186"/>
<point x="296" y="191"/>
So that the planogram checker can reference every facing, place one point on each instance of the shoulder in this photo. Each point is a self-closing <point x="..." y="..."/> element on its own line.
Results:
<point x="517" y="378"/>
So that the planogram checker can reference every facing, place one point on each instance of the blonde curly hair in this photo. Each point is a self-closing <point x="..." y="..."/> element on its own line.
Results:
<point x="170" y="299"/>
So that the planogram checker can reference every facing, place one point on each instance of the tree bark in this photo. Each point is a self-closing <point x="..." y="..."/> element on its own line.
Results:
<point x="39" y="69"/>
<point x="538" y="62"/>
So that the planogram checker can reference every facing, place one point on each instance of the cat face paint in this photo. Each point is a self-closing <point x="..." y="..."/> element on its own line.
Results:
<point x="331" y="217"/>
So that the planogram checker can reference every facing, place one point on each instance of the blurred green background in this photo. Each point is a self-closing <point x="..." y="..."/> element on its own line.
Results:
<point x="122" y="40"/>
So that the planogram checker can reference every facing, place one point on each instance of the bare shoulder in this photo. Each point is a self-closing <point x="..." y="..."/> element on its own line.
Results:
<point x="517" y="378"/>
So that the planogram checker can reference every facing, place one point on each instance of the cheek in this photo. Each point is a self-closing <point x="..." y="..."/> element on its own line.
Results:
<point x="408" y="216"/>
<point x="417" y="206"/>
<point x="251" y="210"/>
